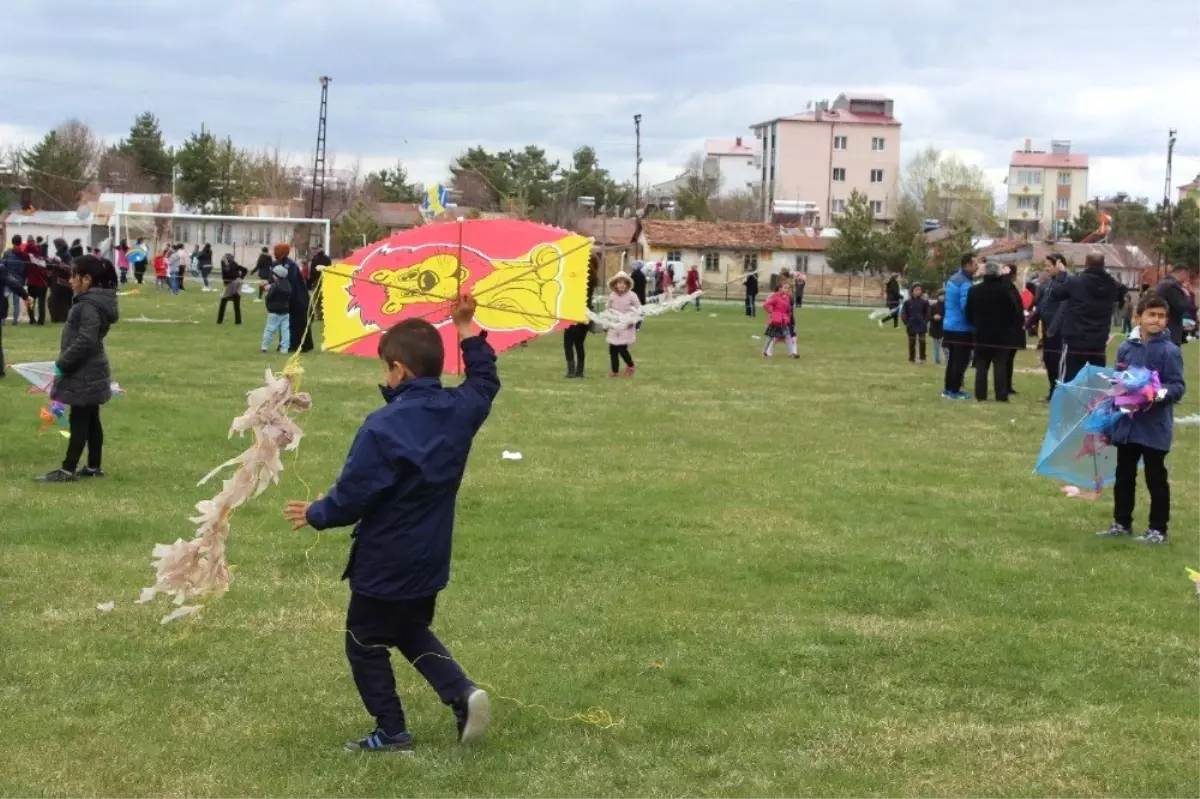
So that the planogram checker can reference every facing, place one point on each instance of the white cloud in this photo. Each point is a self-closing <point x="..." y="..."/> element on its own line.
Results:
<point x="422" y="80"/>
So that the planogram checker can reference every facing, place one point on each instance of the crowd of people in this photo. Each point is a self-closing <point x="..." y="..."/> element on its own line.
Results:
<point x="982" y="320"/>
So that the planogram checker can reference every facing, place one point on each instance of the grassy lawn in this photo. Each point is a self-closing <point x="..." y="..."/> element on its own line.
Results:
<point x="786" y="578"/>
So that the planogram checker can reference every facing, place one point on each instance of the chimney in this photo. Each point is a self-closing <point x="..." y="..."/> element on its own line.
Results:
<point x="739" y="141"/>
<point x="1029" y="145"/>
<point x="26" y="198"/>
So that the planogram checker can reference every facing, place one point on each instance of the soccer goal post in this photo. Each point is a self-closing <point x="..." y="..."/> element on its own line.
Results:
<point x="243" y="236"/>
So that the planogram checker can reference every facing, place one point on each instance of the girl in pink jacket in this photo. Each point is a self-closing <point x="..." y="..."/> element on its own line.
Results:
<point x="779" y="319"/>
<point x="621" y="301"/>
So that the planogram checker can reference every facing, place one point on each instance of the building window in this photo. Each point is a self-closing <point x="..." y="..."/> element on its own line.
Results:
<point x="877" y="144"/>
<point x="750" y="262"/>
<point x="712" y="262"/>
<point x="182" y="234"/>
<point x="877" y="176"/>
<point x="801" y="263"/>
<point x="877" y="207"/>
<point x="1064" y="203"/>
<point x="1029" y="177"/>
<point x="1064" y="178"/>
<point x="1027" y="202"/>
<point x="674" y="255"/>
<point x="839" y="174"/>
<point x="840" y="142"/>
<point x="839" y="206"/>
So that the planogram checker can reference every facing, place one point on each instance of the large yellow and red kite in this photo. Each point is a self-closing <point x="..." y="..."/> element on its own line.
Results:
<point x="529" y="279"/>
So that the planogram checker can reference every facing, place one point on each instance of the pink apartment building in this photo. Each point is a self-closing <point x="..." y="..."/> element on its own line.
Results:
<point x="811" y="162"/>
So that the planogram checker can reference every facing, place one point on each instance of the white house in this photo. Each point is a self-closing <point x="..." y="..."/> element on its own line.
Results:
<point x="737" y="164"/>
<point x="50" y="225"/>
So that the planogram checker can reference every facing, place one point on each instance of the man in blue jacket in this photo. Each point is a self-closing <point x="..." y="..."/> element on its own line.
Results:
<point x="960" y="333"/>
<point x="399" y="486"/>
<point x="1146" y="435"/>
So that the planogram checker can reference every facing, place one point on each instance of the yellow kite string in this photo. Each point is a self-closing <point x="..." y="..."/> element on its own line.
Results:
<point x="594" y="716"/>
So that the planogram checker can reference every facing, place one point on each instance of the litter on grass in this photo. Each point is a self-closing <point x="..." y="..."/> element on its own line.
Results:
<point x="106" y="607"/>
<point x="511" y="456"/>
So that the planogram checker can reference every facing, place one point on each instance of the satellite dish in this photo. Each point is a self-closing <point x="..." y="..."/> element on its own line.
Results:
<point x="83" y="211"/>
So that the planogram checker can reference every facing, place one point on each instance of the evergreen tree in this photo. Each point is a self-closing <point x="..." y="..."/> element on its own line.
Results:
<point x="856" y="248"/>
<point x="146" y="149"/>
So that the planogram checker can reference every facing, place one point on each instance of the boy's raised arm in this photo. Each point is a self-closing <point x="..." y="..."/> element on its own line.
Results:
<point x="366" y="474"/>
<point x="479" y="359"/>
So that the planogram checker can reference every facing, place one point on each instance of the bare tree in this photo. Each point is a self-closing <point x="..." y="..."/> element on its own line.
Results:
<point x="119" y="172"/>
<point x="270" y="171"/>
<point x="61" y="165"/>
<point x="738" y="206"/>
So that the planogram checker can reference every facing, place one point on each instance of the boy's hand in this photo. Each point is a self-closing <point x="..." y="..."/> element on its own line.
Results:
<point x="296" y="512"/>
<point x="462" y="313"/>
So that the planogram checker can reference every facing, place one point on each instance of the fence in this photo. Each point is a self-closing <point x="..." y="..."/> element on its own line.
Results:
<point x="849" y="290"/>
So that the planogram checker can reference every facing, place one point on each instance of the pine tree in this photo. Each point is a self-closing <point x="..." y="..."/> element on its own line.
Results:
<point x="145" y="147"/>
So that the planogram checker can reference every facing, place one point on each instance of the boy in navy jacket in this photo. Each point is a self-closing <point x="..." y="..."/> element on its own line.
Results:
<point x="399" y="487"/>
<point x="1146" y="435"/>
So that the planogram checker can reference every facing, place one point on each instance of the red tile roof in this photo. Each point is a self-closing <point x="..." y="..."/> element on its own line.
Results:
<point x="1049" y="160"/>
<point x="397" y="214"/>
<point x="711" y="235"/>
<point x="1115" y="255"/>
<point x="613" y="231"/>
<point x="804" y="243"/>
<point x="728" y="147"/>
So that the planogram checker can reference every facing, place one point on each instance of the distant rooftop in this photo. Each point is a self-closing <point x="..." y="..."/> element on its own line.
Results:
<point x="1049" y="160"/>
<point x="735" y="146"/>
<point x="854" y="108"/>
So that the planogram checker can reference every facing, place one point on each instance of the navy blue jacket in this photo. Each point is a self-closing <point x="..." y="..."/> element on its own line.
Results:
<point x="1155" y="426"/>
<point x="401" y="479"/>
<point x="1088" y="300"/>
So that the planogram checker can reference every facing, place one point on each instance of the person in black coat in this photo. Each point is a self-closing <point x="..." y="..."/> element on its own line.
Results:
<point x="1179" y="302"/>
<point x="1046" y="307"/>
<point x="894" y="296"/>
<point x="915" y="314"/>
<point x="10" y="284"/>
<point x="638" y="278"/>
<point x="1017" y="334"/>
<point x="232" y="274"/>
<point x="204" y="264"/>
<point x="58" y="278"/>
<point x="991" y="309"/>
<point x="83" y="377"/>
<point x="1086" y="315"/>
<point x="299" y="331"/>
<point x="262" y="268"/>
<point x="751" y="286"/>
<point x="575" y="336"/>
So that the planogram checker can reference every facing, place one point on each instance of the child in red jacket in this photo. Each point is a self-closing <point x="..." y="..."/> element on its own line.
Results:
<point x="779" y="315"/>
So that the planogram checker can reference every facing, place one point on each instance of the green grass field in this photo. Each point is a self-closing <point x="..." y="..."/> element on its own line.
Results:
<point x="809" y="577"/>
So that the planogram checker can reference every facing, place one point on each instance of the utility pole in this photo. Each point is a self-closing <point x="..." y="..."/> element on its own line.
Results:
<point x="637" y="164"/>
<point x="1168" y="223"/>
<point x="1167" y="185"/>
<point x="316" y="202"/>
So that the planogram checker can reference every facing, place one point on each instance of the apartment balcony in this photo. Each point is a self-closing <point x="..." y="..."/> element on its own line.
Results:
<point x="1025" y="189"/>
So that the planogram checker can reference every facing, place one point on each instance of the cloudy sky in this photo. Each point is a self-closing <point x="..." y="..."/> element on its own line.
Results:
<point x="421" y="80"/>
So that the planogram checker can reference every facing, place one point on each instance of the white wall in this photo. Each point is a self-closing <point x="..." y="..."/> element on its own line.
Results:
<point x="244" y="239"/>
<point x="49" y="232"/>
<point x="739" y="173"/>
